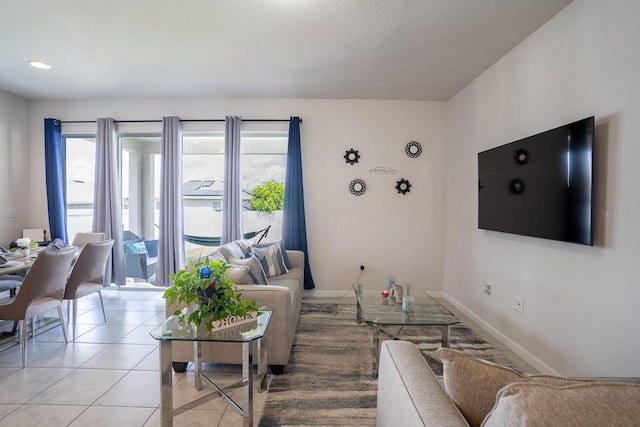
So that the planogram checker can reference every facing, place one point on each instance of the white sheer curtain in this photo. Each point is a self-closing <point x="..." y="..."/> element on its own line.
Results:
<point x="107" y="201"/>
<point x="232" y="197"/>
<point x="171" y="242"/>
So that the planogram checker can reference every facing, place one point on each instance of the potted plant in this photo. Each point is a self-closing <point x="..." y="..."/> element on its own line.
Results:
<point x="24" y="245"/>
<point x="210" y="296"/>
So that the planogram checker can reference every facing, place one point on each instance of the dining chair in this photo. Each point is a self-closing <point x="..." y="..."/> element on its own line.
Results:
<point x="82" y="238"/>
<point x="42" y="289"/>
<point x="87" y="277"/>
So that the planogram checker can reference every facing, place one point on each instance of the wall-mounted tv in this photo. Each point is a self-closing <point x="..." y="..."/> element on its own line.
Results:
<point x="540" y="186"/>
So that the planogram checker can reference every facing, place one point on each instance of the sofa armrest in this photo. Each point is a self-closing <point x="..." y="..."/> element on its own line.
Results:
<point x="283" y="320"/>
<point x="296" y="258"/>
<point x="408" y="391"/>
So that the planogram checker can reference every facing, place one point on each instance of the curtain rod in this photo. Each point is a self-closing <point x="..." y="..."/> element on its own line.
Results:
<point x="182" y="120"/>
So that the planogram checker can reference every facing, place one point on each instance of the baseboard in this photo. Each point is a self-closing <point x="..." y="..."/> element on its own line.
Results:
<point x="513" y="346"/>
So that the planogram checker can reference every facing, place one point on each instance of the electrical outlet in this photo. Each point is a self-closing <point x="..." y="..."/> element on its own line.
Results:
<point x="361" y="264"/>
<point x="487" y="289"/>
<point x="518" y="304"/>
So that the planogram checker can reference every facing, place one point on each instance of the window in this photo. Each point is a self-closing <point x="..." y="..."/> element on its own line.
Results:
<point x="80" y="174"/>
<point x="264" y="161"/>
<point x="264" y="156"/>
<point x="140" y="159"/>
<point x="202" y="174"/>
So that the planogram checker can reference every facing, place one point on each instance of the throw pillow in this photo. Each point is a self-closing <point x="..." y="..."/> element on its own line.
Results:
<point x="594" y="404"/>
<point x="231" y="250"/>
<point x="152" y="247"/>
<point x="287" y="262"/>
<point x="136" y="248"/>
<point x="473" y="384"/>
<point x="241" y="275"/>
<point x="214" y="256"/>
<point x="243" y="244"/>
<point x="271" y="260"/>
<point x="254" y="265"/>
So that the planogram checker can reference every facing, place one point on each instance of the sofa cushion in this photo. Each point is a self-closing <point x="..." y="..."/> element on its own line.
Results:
<point x="596" y="404"/>
<point x="136" y="248"/>
<point x="254" y="265"/>
<point x="271" y="260"/>
<point x="473" y="384"/>
<point x="285" y="256"/>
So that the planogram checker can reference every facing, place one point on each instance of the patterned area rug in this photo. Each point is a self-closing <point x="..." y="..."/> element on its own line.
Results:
<point x="328" y="380"/>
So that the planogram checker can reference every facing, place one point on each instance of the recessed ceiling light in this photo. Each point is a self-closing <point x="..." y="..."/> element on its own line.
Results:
<point x="39" y="64"/>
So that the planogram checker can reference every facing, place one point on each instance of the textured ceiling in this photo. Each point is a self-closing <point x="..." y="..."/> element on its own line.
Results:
<point x="363" y="49"/>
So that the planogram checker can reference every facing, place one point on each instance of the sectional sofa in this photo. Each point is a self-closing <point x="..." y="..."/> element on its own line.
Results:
<point x="279" y="288"/>
<point x="479" y="393"/>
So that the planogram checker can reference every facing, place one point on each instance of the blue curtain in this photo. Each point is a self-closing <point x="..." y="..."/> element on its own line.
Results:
<point x="294" y="230"/>
<point x="54" y="158"/>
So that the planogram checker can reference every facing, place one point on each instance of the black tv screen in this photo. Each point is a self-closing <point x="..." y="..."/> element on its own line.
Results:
<point x="540" y="186"/>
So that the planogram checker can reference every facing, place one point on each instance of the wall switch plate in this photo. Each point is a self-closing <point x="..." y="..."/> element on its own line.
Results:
<point x="12" y="212"/>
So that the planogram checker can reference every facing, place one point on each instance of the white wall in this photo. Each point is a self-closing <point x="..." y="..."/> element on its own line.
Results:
<point x="395" y="234"/>
<point x="15" y="167"/>
<point x="581" y="304"/>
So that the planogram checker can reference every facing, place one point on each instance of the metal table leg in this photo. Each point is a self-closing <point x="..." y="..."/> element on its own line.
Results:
<point x="197" y="361"/>
<point x="358" y="308"/>
<point x="166" y="385"/>
<point x="446" y="330"/>
<point x="375" y="351"/>
<point x="262" y="365"/>
<point x="247" y="389"/>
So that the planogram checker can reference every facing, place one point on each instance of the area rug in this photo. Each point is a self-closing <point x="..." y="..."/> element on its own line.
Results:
<point x="328" y="379"/>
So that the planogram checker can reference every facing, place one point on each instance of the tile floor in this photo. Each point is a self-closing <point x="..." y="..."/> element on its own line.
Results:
<point x="109" y="375"/>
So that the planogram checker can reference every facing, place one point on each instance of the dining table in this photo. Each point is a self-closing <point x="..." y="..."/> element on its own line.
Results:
<point x="17" y="263"/>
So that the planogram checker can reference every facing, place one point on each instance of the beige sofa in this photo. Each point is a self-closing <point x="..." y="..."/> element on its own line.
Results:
<point x="283" y="294"/>
<point x="476" y="392"/>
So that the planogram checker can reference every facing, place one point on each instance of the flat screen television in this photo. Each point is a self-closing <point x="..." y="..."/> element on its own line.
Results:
<point x="540" y="186"/>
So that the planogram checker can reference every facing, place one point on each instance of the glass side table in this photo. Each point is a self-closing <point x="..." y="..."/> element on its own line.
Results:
<point x="245" y="334"/>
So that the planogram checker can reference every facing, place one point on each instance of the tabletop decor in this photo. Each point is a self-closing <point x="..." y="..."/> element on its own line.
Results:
<point x="24" y="245"/>
<point x="210" y="296"/>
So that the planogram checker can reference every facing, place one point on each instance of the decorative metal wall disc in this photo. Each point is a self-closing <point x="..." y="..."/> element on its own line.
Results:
<point x="521" y="156"/>
<point x="516" y="186"/>
<point x="413" y="149"/>
<point x="403" y="186"/>
<point x="351" y="156"/>
<point x="357" y="187"/>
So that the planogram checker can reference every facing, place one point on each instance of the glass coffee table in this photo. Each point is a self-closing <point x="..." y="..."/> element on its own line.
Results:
<point x="245" y="334"/>
<point x="371" y="310"/>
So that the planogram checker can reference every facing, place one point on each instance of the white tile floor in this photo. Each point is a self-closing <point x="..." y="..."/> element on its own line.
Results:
<point x="108" y="376"/>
